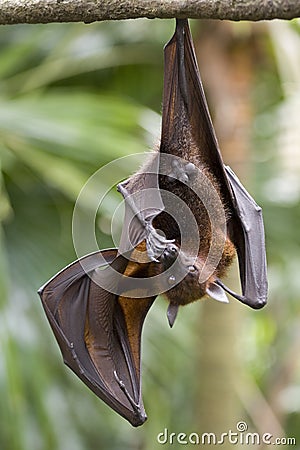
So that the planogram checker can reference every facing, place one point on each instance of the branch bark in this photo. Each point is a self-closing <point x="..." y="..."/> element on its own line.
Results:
<point x="46" y="11"/>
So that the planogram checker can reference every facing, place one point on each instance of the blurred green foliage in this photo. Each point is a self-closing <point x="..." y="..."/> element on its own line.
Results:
<point x="72" y="98"/>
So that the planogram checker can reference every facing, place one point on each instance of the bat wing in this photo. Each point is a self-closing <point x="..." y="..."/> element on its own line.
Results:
<point x="187" y="124"/>
<point x="246" y="230"/>
<point x="98" y="332"/>
<point x="183" y="101"/>
<point x="143" y="203"/>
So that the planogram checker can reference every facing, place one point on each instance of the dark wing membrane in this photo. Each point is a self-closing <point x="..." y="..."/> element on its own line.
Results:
<point x="247" y="233"/>
<point x="187" y="123"/>
<point x="96" y="337"/>
<point x="143" y="202"/>
<point x="185" y="109"/>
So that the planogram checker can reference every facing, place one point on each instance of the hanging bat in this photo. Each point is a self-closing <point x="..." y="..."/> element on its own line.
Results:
<point x="182" y="204"/>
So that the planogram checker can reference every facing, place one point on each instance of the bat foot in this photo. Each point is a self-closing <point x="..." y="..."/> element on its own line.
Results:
<point x="181" y="171"/>
<point x="156" y="243"/>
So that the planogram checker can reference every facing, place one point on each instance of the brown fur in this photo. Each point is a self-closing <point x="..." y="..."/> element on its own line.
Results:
<point x="189" y="289"/>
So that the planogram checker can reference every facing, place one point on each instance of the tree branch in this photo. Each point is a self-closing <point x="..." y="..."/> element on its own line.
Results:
<point x="46" y="11"/>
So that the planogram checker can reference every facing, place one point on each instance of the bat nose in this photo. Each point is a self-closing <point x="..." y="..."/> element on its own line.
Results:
<point x="170" y="254"/>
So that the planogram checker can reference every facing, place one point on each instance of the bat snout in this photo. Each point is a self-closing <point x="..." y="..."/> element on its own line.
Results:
<point x="169" y="255"/>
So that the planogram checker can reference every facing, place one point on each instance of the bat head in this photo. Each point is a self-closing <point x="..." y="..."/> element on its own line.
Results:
<point x="190" y="272"/>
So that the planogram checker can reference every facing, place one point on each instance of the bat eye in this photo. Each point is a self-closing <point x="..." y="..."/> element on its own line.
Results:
<point x="173" y="250"/>
<point x="172" y="279"/>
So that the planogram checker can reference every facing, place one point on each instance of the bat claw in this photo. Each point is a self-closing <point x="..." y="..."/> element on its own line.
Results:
<point x="181" y="171"/>
<point x="156" y="243"/>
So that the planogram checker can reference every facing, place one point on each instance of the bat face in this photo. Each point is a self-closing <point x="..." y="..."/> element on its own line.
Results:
<point x="186" y="217"/>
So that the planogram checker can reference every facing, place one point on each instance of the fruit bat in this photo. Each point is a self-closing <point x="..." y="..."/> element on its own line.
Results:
<point x="186" y="216"/>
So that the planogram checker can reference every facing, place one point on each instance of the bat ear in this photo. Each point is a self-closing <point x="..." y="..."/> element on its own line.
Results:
<point x="217" y="293"/>
<point x="172" y="313"/>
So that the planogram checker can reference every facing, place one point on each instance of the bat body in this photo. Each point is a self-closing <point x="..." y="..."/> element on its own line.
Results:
<point x="186" y="216"/>
<point x="194" y="172"/>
